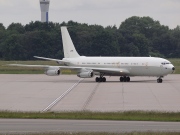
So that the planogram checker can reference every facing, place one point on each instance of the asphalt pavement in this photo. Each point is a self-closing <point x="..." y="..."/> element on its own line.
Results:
<point x="21" y="126"/>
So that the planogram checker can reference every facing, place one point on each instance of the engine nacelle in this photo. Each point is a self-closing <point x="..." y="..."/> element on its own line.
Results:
<point x="87" y="74"/>
<point x="53" y="72"/>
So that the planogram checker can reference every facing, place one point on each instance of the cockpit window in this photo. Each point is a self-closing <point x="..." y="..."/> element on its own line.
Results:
<point x="164" y="63"/>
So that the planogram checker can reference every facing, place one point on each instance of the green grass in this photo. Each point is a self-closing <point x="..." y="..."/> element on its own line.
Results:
<point x="27" y="70"/>
<point x="129" y="115"/>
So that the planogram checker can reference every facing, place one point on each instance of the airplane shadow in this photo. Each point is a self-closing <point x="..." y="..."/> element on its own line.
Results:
<point x="91" y="81"/>
<point x="138" y="81"/>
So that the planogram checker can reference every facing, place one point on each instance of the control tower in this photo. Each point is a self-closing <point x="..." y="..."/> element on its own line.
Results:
<point x="44" y="4"/>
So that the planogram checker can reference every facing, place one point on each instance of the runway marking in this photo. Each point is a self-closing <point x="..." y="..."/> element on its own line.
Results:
<point x="90" y="97"/>
<point x="61" y="96"/>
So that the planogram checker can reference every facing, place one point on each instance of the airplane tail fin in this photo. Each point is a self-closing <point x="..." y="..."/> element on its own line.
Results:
<point x="68" y="46"/>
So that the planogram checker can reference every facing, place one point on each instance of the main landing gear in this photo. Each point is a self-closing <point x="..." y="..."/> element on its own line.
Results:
<point x="124" y="79"/>
<point x="101" y="78"/>
<point x="159" y="80"/>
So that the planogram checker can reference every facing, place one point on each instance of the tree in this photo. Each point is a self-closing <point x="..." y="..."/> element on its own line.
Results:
<point x="136" y="36"/>
<point x="2" y="38"/>
<point x="2" y="28"/>
<point x="12" y="49"/>
<point x="16" y="28"/>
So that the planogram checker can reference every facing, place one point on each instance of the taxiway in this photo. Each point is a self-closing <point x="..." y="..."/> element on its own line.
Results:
<point x="70" y="93"/>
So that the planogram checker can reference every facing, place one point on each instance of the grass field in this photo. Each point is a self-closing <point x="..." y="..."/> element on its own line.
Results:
<point x="129" y="115"/>
<point x="24" y="70"/>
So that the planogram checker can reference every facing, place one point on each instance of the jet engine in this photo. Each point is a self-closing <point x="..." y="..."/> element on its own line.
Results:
<point x="87" y="74"/>
<point x="53" y="72"/>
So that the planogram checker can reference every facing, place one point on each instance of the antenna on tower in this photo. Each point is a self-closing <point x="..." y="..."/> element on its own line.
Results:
<point x="44" y="4"/>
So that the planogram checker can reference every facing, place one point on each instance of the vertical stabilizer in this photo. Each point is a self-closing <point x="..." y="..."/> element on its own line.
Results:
<point x="68" y="46"/>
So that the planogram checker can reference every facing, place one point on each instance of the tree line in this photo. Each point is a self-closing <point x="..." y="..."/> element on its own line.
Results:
<point x="136" y="36"/>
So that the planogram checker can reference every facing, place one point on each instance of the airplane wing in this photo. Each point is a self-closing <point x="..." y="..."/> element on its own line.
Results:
<point x="24" y="65"/>
<point x="108" y="71"/>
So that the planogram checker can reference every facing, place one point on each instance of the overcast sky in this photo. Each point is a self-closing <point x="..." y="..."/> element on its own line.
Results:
<point x="101" y="12"/>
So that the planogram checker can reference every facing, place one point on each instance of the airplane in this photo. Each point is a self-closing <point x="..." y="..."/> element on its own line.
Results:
<point x="88" y="67"/>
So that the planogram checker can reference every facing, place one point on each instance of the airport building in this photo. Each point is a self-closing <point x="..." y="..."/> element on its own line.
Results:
<point x="44" y="4"/>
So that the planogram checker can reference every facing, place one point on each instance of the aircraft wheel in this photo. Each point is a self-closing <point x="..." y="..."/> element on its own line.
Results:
<point x="97" y="79"/>
<point x="159" y="80"/>
<point x="125" y="79"/>
<point x="104" y="79"/>
<point x="128" y="79"/>
<point x="121" y="79"/>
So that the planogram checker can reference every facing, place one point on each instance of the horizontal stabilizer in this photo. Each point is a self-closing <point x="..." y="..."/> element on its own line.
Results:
<point x="44" y="58"/>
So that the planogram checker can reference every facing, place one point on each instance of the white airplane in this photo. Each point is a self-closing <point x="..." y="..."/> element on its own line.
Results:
<point x="88" y="67"/>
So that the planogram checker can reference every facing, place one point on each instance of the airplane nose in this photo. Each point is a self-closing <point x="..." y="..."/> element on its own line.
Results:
<point x="173" y="68"/>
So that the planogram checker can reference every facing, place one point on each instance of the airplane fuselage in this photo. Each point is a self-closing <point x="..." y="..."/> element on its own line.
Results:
<point x="137" y="66"/>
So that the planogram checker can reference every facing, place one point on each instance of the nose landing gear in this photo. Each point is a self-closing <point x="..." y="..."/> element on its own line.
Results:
<point x="160" y="80"/>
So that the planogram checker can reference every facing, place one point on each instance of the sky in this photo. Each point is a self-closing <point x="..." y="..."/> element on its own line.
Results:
<point x="100" y="12"/>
